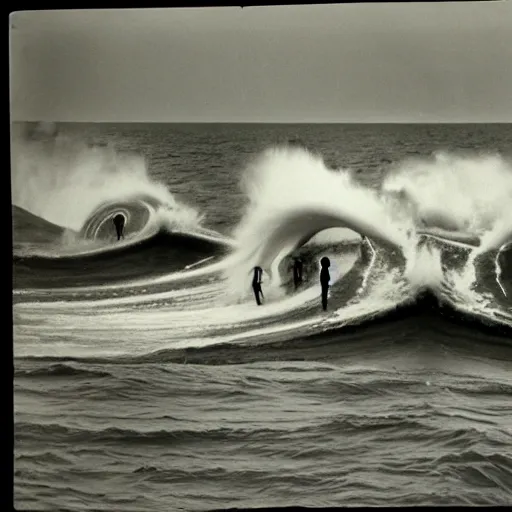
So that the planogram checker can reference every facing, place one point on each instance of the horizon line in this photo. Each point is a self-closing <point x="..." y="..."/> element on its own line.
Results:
<point x="260" y="122"/>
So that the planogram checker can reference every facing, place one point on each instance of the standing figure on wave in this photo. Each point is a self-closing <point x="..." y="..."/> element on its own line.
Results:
<point x="325" y="277"/>
<point x="256" y="284"/>
<point x="297" y="271"/>
<point x="119" y="224"/>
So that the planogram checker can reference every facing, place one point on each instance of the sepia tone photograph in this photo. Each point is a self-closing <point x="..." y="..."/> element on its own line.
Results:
<point x="262" y="256"/>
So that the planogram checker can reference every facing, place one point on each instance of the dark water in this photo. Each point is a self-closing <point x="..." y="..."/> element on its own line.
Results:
<point x="146" y="378"/>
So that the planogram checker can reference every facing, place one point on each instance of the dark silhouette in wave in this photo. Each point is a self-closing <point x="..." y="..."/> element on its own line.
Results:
<point x="119" y="221"/>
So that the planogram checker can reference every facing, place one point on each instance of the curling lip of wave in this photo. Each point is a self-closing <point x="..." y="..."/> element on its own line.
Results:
<point x="46" y="242"/>
<point x="461" y="237"/>
<point x="286" y="233"/>
<point x="293" y="196"/>
<point x="316" y="222"/>
<point x="142" y="213"/>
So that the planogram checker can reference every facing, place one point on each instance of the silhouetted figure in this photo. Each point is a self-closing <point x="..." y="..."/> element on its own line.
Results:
<point x="297" y="272"/>
<point x="325" y="277"/>
<point x="256" y="284"/>
<point x="119" y="224"/>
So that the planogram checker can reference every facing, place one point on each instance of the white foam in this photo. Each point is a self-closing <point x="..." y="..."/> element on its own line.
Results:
<point x="457" y="192"/>
<point x="63" y="179"/>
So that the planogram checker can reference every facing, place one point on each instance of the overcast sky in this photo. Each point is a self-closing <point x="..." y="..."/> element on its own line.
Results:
<point x="448" y="62"/>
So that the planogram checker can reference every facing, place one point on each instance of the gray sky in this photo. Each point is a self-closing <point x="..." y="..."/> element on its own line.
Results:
<point x="421" y="62"/>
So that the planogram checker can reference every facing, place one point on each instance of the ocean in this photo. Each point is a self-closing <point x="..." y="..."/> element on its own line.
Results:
<point x="147" y="378"/>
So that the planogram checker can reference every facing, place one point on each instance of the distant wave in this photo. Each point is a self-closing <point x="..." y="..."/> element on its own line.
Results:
<point x="29" y="230"/>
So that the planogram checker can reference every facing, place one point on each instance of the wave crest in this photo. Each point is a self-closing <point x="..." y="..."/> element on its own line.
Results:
<point x="293" y="196"/>
<point x="457" y="192"/>
<point x="62" y="179"/>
